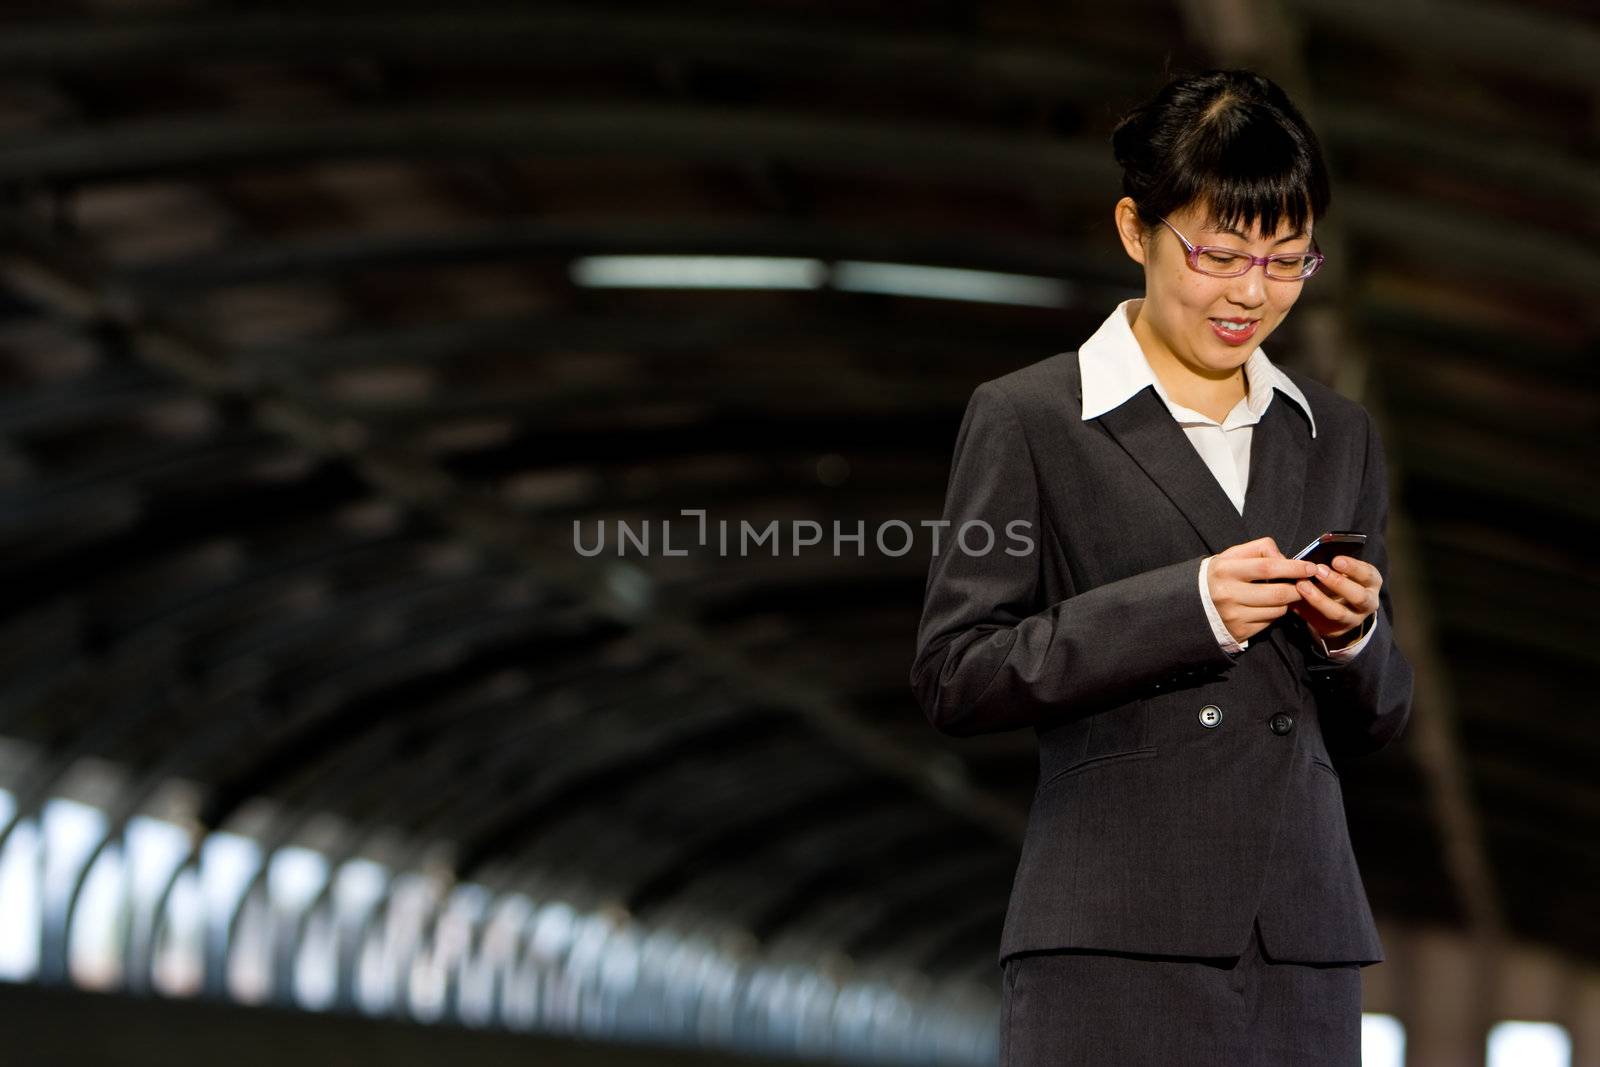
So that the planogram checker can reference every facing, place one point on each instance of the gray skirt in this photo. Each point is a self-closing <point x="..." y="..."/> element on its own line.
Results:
<point x="1081" y="1006"/>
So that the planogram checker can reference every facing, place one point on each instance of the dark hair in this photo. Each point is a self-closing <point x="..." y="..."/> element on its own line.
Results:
<point x="1229" y="139"/>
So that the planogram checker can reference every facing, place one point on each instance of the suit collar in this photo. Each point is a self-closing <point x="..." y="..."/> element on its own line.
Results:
<point x="1112" y="368"/>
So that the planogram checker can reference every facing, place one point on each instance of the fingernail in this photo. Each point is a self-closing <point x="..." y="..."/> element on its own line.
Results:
<point x="1322" y="571"/>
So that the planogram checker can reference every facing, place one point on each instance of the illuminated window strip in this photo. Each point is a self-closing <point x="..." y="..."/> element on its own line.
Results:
<point x="860" y="276"/>
<point x="698" y="991"/>
<point x="1517" y="1043"/>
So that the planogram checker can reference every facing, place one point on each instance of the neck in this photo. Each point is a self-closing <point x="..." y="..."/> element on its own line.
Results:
<point x="1212" y="393"/>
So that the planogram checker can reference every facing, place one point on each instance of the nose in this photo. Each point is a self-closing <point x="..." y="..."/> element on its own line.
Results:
<point x="1249" y="290"/>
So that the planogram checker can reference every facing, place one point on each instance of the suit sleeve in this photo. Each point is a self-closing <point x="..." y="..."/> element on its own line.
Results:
<point x="990" y="654"/>
<point x="1364" y="702"/>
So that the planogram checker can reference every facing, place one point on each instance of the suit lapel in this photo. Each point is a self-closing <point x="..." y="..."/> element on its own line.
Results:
<point x="1280" y="447"/>
<point x="1147" y="431"/>
<point x="1279" y="451"/>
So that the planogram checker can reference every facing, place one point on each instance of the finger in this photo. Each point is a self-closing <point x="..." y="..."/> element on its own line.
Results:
<point x="1263" y="567"/>
<point x="1353" y="593"/>
<point x="1261" y="614"/>
<point x="1330" y="610"/>
<point x="1338" y="585"/>
<point x="1261" y="546"/>
<point x="1332" y="596"/>
<point x="1264" y="594"/>
<point x="1358" y="569"/>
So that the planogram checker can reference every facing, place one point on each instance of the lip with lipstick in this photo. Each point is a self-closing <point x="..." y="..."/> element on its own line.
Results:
<point x="1225" y="329"/>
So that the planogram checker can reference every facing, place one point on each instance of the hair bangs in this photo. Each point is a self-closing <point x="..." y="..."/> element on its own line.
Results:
<point x="1242" y="166"/>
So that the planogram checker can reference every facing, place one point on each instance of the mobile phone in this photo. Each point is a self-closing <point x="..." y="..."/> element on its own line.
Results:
<point x="1324" y="548"/>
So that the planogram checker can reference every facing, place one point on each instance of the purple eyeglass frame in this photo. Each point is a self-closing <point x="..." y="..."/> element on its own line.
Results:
<point x="1195" y="250"/>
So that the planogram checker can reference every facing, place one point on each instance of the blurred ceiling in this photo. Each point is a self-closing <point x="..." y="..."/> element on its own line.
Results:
<point x="302" y="398"/>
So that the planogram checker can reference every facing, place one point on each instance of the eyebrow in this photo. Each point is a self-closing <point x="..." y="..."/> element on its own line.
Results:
<point x="1244" y="237"/>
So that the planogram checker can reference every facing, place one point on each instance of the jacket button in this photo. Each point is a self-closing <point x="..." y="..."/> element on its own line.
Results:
<point x="1210" y="715"/>
<point x="1282" y="724"/>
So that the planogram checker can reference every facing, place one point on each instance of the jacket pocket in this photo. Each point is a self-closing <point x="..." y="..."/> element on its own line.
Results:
<point x="1098" y="761"/>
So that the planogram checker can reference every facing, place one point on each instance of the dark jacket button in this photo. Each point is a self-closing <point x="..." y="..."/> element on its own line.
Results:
<point x="1282" y="724"/>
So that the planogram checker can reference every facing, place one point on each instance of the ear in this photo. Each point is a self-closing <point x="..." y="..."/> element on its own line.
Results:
<point x="1130" y="229"/>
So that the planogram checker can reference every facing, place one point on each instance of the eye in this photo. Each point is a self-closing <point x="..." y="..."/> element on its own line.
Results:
<point x="1289" y="266"/>
<point x="1220" y="259"/>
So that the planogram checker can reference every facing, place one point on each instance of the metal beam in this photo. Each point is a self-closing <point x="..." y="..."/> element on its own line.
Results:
<point x="1492" y="36"/>
<point x="550" y="36"/>
<point x="519" y="240"/>
<point x="204" y="145"/>
<point x="415" y="481"/>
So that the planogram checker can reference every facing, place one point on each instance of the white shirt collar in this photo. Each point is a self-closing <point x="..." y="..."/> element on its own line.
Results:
<point x="1113" y="369"/>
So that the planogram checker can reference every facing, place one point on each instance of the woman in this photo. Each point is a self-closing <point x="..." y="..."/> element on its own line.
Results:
<point x="1186" y="893"/>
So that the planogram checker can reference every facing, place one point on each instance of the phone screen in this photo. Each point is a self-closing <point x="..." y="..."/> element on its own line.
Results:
<point x="1320" y="551"/>
<point x="1331" y="544"/>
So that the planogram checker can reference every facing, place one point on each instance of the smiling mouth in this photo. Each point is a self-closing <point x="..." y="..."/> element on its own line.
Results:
<point x="1235" y="334"/>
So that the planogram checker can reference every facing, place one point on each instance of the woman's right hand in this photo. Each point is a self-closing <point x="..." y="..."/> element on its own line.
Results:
<point x="1244" y="598"/>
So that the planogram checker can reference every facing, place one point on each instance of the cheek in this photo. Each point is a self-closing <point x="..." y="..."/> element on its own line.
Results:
<point x="1282" y="302"/>
<point x="1188" y="293"/>
<point x="1199" y="297"/>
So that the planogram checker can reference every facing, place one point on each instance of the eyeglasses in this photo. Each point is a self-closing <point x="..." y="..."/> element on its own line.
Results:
<point x="1222" y="262"/>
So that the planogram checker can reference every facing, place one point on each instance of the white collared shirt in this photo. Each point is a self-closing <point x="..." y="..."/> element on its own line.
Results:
<point x="1113" y="369"/>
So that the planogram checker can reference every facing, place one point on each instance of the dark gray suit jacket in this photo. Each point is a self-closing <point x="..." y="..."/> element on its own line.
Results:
<point x="1150" y="831"/>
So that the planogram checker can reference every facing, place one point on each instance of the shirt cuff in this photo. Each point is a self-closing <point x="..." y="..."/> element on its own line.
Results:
<point x="1350" y="651"/>
<point x="1218" y="629"/>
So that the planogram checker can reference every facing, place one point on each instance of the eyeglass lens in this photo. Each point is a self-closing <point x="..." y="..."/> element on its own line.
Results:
<point x="1226" y="264"/>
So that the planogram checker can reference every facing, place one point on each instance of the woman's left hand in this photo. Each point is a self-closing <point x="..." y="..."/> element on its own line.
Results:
<point x="1339" y="599"/>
